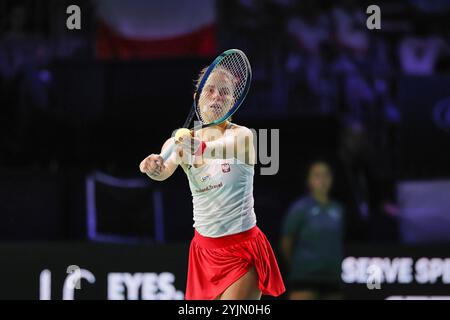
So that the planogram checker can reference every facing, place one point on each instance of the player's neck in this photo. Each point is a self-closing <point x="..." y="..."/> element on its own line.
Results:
<point x="210" y="133"/>
<point x="223" y="126"/>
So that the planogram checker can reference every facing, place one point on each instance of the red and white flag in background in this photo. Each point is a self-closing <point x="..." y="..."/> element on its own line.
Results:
<point x="155" y="28"/>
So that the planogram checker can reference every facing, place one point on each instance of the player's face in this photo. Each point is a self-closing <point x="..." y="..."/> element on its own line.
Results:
<point x="217" y="96"/>
<point x="320" y="178"/>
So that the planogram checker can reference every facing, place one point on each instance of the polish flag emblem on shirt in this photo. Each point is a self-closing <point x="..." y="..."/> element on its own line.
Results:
<point x="225" y="167"/>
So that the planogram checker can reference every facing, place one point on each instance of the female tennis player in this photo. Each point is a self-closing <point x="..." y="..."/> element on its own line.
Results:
<point x="229" y="257"/>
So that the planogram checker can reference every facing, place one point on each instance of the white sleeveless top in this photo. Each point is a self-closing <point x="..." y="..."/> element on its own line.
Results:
<point x="222" y="196"/>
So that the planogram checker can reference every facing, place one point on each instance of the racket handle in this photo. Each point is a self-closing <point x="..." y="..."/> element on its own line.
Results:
<point x="167" y="152"/>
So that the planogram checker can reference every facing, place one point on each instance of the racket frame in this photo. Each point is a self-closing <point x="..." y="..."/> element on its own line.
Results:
<point x="205" y="77"/>
<point x="230" y="112"/>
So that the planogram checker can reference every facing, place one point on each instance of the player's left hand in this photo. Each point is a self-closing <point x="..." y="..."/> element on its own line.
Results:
<point x="189" y="144"/>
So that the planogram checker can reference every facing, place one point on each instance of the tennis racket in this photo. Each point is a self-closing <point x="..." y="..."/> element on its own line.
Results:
<point x="221" y="91"/>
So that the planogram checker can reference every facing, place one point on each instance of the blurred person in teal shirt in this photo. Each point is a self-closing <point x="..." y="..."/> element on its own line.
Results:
<point x="312" y="238"/>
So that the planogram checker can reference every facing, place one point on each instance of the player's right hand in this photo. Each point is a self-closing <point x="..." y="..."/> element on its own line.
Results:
<point x="153" y="165"/>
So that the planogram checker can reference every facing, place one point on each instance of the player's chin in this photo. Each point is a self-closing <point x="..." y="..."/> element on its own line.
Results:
<point x="214" y="111"/>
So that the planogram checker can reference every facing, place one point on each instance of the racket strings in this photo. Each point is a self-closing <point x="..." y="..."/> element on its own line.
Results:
<point x="223" y="88"/>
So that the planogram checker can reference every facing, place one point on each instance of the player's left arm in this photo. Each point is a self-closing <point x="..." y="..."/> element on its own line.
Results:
<point x="236" y="143"/>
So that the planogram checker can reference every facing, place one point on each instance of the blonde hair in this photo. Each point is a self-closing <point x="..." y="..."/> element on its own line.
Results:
<point x="199" y="78"/>
<point x="217" y="69"/>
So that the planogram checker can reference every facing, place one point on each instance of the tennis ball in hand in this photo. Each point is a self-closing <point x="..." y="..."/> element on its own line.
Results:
<point x="182" y="133"/>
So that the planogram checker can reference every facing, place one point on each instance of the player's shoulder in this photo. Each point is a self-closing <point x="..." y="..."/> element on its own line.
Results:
<point x="240" y="129"/>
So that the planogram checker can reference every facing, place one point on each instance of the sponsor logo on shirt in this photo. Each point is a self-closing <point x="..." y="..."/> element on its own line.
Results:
<point x="204" y="178"/>
<point x="210" y="187"/>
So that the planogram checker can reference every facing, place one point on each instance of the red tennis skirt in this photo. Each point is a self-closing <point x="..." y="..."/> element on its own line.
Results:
<point x="216" y="263"/>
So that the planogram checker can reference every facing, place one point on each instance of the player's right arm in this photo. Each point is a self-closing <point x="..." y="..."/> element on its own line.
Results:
<point x="155" y="166"/>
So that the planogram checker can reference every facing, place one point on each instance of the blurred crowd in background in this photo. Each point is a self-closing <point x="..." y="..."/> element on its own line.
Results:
<point x="310" y="59"/>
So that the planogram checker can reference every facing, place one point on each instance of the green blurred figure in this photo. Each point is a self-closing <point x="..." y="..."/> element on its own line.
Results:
<point x="312" y="238"/>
